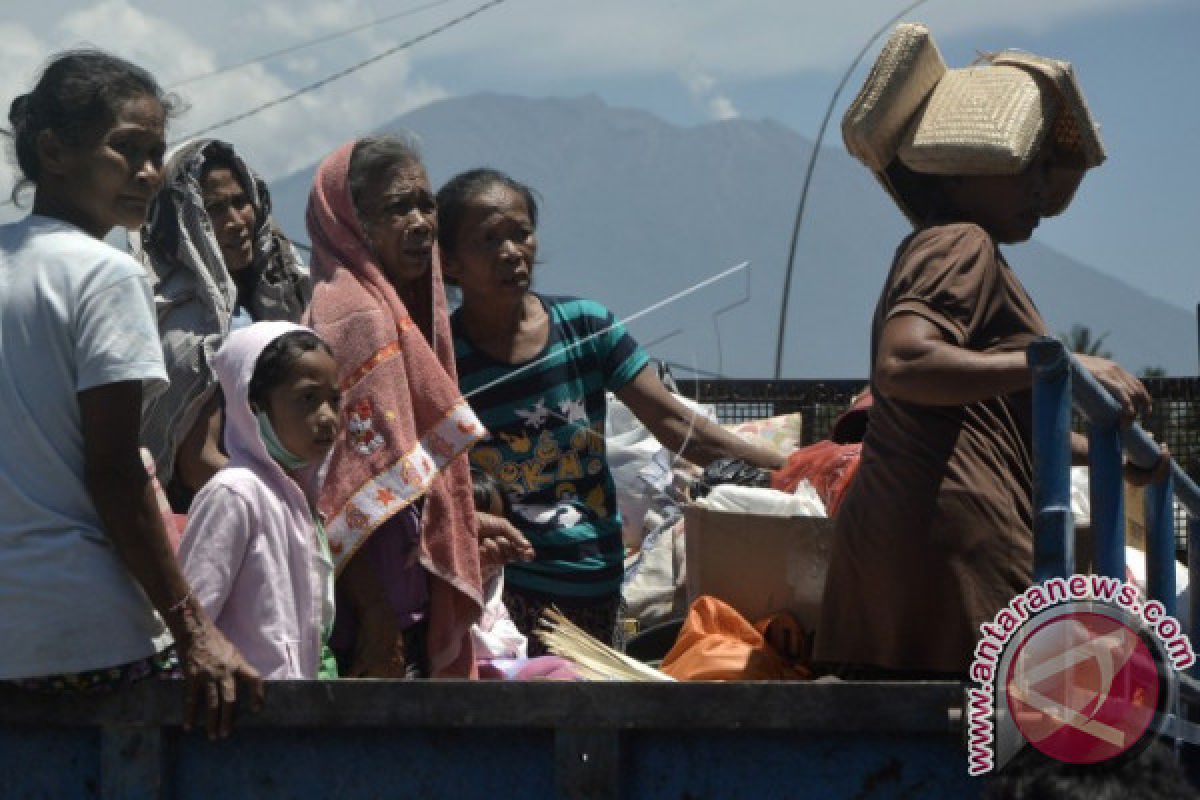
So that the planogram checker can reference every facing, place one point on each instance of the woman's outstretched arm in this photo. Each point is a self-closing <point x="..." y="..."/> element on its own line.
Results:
<point x="681" y="430"/>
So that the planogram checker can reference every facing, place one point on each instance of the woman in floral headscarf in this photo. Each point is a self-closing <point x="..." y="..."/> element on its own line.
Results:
<point x="397" y="495"/>
<point x="217" y="262"/>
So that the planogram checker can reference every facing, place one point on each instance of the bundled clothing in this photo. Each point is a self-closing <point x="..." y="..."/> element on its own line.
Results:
<point x="400" y="460"/>
<point x="829" y="465"/>
<point x="547" y="452"/>
<point x="254" y="551"/>
<point x="935" y="533"/>
<point x="198" y="300"/>
<point x="75" y="314"/>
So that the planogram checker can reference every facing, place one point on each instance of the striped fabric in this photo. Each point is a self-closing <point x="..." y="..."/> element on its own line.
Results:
<point x="546" y="419"/>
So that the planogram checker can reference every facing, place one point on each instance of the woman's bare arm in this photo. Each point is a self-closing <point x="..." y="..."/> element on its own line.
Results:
<point x="122" y="492"/>
<point x="916" y="363"/>
<point x="681" y="430"/>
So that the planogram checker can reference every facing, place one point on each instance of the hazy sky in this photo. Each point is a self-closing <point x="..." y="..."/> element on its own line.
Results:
<point x="689" y="61"/>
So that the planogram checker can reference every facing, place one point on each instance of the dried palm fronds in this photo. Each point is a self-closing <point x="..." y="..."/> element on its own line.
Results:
<point x="594" y="660"/>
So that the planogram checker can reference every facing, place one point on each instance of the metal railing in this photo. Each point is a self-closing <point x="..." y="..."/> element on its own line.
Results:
<point x="1060" y="383"/>
<point x="1175" y="419"/>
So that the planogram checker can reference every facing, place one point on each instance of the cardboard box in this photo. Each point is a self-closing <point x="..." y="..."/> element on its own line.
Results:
<point x="759" y="565"/>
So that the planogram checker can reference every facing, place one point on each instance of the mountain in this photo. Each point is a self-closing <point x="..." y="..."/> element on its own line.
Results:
<point x="635" y="209"/>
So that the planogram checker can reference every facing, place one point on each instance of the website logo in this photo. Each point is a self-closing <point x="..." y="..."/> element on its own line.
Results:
<point x="1080" y="668"/>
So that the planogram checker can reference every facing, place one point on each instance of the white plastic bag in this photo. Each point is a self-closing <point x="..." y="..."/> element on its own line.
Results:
<point x="754" y="500"/>
<point x="655" y="585"/>
<point x="641" y="467"/>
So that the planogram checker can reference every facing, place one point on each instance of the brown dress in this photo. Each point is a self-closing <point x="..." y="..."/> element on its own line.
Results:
<point x="935" y="534"/>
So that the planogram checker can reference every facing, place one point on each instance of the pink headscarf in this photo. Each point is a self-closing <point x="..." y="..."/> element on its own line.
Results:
<point x="406" y="427"/>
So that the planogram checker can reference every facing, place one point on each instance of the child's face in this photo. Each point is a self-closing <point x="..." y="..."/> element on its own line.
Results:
<point x="111" y="182"/>
<point x="304" y="407"/>
<point x="496" y="246"/>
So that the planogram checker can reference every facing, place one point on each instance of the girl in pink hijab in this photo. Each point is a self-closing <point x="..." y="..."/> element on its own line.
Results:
<point x="397" y="496"/>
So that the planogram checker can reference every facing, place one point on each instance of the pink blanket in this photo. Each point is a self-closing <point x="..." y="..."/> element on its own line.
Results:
<point x="405" y="426"/>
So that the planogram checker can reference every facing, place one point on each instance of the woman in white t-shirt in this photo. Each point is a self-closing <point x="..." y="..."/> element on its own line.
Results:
<point x="84" y="558"/>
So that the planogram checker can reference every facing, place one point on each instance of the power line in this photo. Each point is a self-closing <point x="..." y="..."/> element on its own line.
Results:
<point x="312" y="87"/>
<point x="310" y="43"/>
<point x="650" y="309"/>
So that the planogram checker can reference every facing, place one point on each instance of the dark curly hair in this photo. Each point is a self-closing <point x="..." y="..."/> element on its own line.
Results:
<point x="485" y="489"/>
<point x="77" y="97"/>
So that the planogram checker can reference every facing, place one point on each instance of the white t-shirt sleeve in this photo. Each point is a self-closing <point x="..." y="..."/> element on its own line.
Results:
<point x="116" y="337"/>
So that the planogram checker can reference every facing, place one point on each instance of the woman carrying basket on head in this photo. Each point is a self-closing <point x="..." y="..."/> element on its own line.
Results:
<point x="935" y="534"/>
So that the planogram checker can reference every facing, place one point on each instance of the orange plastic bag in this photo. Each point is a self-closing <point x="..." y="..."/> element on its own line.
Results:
<point x="717" y="644"/>
<point x="827" y="465"/>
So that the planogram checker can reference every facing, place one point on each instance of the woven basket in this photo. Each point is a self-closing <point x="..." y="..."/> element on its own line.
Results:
<point x="1076" y="135"/>
<point x="906" y="71"/>
<point x="979" y="121"/>
<point x="987" y="120"/>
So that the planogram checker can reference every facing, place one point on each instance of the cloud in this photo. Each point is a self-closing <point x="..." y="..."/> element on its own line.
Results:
<point x="721" y="107"/>
<point x="739" y="41"/>
<point x="300" y="20"/>
<point x="19" y="59"/>
<point x="703" y="89"/>
<point x="277" y="141"/>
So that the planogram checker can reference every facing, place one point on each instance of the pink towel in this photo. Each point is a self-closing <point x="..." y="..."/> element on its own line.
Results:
<point x="406" y="427"/>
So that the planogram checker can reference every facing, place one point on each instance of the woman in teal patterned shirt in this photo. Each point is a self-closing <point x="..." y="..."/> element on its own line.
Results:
<point x="535" y="369"/>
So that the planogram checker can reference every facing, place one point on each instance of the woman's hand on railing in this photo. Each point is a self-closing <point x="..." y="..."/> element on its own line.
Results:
<point x="379" y="647"/>
<point x="1126" y="390"/>
<point x="1136" y="476"/>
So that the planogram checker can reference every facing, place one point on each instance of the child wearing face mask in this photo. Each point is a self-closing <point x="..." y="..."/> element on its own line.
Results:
<point x="255" y="550"/>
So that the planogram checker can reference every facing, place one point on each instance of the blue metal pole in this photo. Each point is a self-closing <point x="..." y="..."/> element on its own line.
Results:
<point x="1194" y="583"/>
<point x="1053" y="525"/>
<point x="1160" y="544"/>
<point x="1107" y="490"/>
<point x="1185" y="488"/>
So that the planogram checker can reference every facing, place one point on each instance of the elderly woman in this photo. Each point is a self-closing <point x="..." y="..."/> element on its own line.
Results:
<point x="535" y="369"/>
<point x="397" y="496"/>
<point x="218" y="262"/>
<point x="935" y="534"/>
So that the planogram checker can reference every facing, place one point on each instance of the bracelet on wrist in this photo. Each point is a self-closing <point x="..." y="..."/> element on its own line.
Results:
<point x="179" y="606"/>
